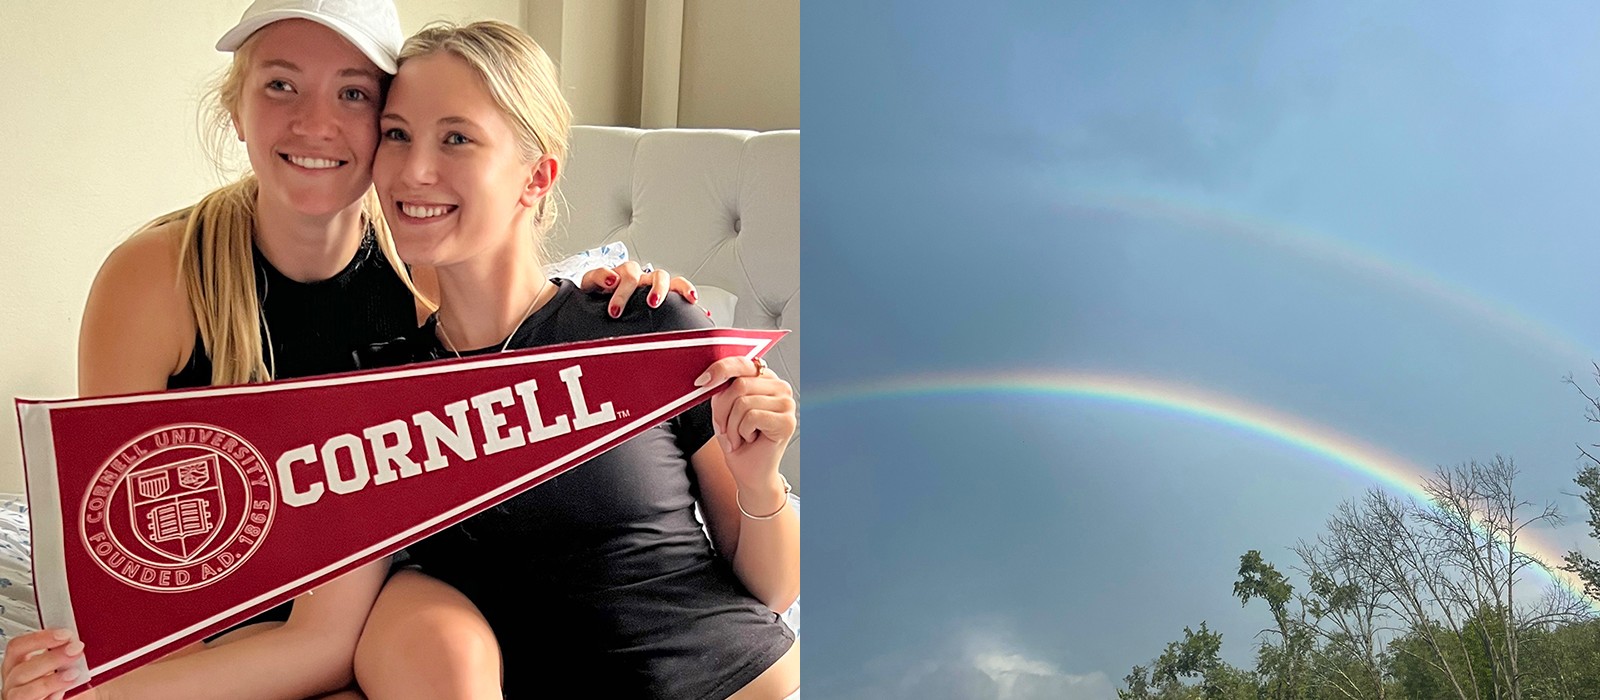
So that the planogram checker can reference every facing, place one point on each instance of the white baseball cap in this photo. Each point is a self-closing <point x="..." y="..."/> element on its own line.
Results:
<point x="372" y="26"/>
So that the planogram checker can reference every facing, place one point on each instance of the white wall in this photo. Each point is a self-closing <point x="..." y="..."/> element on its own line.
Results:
<point x="98" y="123"/>
<point x="722" y="63"/>
<point x="741" y="65"/>
<point x="595" y="43"/>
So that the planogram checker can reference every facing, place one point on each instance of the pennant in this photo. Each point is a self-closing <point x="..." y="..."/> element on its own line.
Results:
<point x="160" y="519"/>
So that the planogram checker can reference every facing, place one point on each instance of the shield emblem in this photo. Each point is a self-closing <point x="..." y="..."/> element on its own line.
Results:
<point x="193" y="476"/>
<point x="179" y="523"/>
<point x="153" y="485"/>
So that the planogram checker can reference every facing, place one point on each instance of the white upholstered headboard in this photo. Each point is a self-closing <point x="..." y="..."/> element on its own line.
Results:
<point x="720" y="207"/>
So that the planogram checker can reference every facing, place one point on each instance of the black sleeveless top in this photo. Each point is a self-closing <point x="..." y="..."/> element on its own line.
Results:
<point x="313" y="328"/>
<point x="601" y="582"/>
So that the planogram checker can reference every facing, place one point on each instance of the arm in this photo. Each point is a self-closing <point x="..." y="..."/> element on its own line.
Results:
<point x="754" y="419"/>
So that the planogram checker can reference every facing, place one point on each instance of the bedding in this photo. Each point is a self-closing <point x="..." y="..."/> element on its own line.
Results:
<point x="17" y="612"/>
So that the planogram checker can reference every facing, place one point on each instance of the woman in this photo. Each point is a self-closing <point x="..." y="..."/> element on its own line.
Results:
<point x="599" y="583"/>
<point x="282" y="274"/>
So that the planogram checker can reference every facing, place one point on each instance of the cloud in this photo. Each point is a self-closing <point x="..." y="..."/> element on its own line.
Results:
<point x="980" y="664"/>
<point x="1017" y="677"/>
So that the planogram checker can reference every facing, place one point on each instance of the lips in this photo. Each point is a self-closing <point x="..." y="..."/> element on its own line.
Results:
<point x="424" y="211"/>
<point x="312" y="162"/>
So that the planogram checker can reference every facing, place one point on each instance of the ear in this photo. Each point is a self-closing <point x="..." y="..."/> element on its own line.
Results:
<point x="238" y="129"/>
<point x="541" y="179"/>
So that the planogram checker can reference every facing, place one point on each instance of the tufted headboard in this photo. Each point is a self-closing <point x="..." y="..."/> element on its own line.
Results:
<point x="720" y="207"/>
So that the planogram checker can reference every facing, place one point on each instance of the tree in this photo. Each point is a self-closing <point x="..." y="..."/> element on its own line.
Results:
<point x="1198" y="657"/>
<point x="1350" y="621"/>
<point x="1587" y="568"/>
<point x="1378" y="541"/>
<point x="1281" y="666"/>
<point x="1473" y="526"/>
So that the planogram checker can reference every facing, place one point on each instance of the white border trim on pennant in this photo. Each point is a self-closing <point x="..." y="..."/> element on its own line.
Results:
<point x="754" y="344"/>
<point x="44" y="505"/>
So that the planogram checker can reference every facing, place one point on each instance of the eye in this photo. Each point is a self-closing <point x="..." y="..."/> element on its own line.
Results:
<point x="396" y="135"/>
<point x="455" y="138"/>
<point x="353" y="94"/>
<point x="279" y="86"/>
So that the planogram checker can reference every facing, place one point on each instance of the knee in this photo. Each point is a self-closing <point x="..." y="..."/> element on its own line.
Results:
<point x="441" y="638"/>
<point x="438" y="650"/>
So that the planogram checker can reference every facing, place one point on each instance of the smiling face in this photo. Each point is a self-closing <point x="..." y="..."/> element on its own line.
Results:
<point x="449" y="167"/>
<point x="308" y="112"/>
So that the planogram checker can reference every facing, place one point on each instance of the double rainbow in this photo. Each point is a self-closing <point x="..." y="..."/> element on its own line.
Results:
<point x="1393" y="473"/>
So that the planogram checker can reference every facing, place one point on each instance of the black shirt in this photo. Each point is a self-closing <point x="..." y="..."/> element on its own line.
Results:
<point x="312" y="328"/>
<point x="601" y="582"/>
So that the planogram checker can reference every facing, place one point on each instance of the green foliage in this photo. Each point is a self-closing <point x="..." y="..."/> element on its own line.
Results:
<point x="1282" y="664"/>
<point x="1197" y="658"/>
<point x="1585" y="567"/>
<point x="1564" y="662"/>
<point x="1404" y="601"/>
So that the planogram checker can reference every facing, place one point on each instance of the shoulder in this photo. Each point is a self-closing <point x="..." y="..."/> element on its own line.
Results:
<point x="576" y="315"/>
<point x="138" y="311"/>
<point x="674" y="314"/>
<point x="144" y="272"/>
<point x="148" y="258"/>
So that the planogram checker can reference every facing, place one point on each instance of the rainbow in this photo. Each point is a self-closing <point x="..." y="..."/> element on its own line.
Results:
<point x="1328" y="250"/>
<point x="1392" y="472"/>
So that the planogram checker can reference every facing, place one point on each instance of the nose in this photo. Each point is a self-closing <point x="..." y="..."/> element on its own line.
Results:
<point x="417" y="166"/>
<point x="316" y="119"/>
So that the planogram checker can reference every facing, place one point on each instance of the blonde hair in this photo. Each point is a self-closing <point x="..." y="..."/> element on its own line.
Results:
<point x="520" y="78"/>
<point x="217" y="255"/>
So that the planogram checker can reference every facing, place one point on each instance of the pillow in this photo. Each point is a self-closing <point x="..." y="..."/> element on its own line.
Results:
<point x="719" y="302"/>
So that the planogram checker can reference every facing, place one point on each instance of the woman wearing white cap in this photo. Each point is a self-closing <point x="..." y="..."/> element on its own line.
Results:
<point x="282" y="274"/>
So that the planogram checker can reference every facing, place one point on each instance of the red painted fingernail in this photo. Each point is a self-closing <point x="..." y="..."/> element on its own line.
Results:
<point x="654" y="300"/>
<point x="615" y="312"/>
<point x="693" y="297"/>
<point x="708" y="313"/>
<point x="610" y="280"/>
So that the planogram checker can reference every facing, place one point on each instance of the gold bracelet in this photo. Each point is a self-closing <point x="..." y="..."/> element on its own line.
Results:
<point x="785" y="504"/>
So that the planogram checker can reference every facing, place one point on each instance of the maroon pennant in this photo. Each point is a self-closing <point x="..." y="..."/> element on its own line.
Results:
<point x="160" y="519"/>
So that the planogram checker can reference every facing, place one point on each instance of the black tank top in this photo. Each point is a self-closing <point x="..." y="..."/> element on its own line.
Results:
<point x="315" y="327"/>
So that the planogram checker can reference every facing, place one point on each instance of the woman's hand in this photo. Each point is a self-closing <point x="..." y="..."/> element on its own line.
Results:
<point x="754" y="419"/>
<point x="625" y="278"/>
<point x="41" y="665"/>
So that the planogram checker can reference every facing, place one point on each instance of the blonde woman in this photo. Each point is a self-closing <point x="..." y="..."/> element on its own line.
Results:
<point x="599" y="583"/>
<point x="284" y="273"/>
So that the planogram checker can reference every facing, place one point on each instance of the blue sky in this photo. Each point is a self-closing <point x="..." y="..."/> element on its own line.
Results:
<point x="956" y="171"/>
